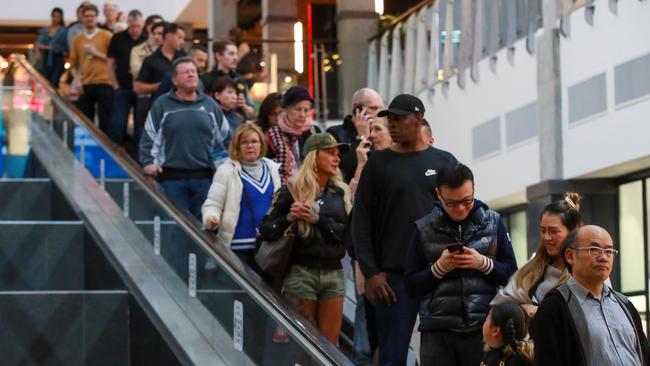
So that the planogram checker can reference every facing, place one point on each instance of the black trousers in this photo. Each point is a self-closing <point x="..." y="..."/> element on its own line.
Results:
<point x="141" y="111"/>
<point x="371" y="326"/>
<point x="447" y="348"/>
<point x="102" y="96"/>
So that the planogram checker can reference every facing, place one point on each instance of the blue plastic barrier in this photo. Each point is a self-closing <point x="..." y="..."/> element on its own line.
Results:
<point x="93" y="154"/>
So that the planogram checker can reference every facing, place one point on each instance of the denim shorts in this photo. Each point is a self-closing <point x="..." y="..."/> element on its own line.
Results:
<point x="313" y="283"/>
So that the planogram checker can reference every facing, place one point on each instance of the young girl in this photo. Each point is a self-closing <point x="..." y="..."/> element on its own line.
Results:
<point x="504" y="331"/>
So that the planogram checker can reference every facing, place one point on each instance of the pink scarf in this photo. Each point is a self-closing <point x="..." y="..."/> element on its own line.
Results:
<point x="288" y="127"/>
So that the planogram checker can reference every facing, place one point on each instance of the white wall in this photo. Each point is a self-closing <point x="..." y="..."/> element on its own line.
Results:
<point x="33" y="12"/>
<point x="612" y="143"/>
<point x="620" y="135"/>
<point x="501" y="178"/>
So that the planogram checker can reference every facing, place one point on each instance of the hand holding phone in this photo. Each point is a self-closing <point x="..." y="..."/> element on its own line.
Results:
<point x="456" y="248"/>
<point x="361" y="120"/>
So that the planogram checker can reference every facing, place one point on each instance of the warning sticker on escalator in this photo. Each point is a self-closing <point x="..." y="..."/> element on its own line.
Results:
<point x="238" y="326"/>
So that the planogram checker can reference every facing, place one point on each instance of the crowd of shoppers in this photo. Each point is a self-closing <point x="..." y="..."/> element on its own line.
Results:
<point x="374" y="187"/>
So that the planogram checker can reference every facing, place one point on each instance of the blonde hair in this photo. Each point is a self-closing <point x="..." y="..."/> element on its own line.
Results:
<point x="568" y="209"/>
<point x="241" y="131"/>
<point x="305" y="187"/>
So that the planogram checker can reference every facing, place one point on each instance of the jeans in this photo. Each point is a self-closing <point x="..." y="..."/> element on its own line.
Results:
<point x="447" y="348"/>
<point x="52" y="71"/>
<point x="187" y="194"/>
<point x="395" y="323"/>
<point x="361" y="343"/>
<point x="102" y="96"/>
<point x="124" y="100"/>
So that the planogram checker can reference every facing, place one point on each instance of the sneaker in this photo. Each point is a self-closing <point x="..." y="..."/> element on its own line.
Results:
<point x="280" y="335"/>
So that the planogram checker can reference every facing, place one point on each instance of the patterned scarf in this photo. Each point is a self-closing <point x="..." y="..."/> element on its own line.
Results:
<point x="287" y="127"/>
<point x="283" y="140"/>
<point x="280" y="143"/>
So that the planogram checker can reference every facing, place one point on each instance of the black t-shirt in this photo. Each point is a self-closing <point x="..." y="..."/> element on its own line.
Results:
<point x="155" y="66"/>
<point x="395" y="189"/>
<point x="120" y="50"/>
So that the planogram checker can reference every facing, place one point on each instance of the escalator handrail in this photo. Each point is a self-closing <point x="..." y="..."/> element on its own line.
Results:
<point x="301" y="330"/>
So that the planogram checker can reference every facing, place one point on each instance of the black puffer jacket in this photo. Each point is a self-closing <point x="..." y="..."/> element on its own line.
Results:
<point x="462" y="298"/>
<point x="324" y="249"/>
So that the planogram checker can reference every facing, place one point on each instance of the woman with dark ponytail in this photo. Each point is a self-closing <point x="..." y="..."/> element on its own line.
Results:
<point x="504" y="331"/>
<point x="528" y="286"/>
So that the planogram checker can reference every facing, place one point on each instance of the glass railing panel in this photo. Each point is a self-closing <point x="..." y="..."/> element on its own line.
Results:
<point x="244" y="311"/>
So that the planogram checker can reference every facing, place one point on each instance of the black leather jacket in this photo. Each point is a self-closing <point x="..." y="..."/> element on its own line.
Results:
<point x="324" y="248"/>
<point x="346" y="133"/>
<point x="461" y="300"/>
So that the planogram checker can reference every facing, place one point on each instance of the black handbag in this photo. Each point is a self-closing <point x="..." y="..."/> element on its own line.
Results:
<point x="273" y="256"/>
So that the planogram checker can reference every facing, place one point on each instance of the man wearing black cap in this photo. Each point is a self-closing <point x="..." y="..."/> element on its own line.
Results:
<point x="396" y="188"/>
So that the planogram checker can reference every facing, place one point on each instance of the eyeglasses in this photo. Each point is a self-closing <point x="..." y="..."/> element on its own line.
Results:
<point x="598" y="251"/>
<point x="251" y="142"/>
<point x="453" y="204"/>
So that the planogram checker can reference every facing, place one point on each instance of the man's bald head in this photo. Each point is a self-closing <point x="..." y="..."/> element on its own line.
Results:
<point x="369" y="99"/>
<point x="362" y="94"/>
<point x="595" y="232"/>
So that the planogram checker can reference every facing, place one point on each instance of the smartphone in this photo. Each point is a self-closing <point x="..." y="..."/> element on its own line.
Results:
<point x="455" y="248"/>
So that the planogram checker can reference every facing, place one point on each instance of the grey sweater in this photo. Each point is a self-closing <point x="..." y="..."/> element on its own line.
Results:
<point x="186" y="135"/>
<point x="512" y="293"/>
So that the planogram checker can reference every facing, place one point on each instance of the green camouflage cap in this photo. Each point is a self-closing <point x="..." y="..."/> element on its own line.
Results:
<point x="324" y="140"/>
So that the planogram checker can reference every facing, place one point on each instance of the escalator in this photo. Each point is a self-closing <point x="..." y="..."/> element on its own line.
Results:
<point x="97" y="267"/>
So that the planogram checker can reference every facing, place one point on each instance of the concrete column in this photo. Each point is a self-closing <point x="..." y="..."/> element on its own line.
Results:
<point x="356" y="20"/>
<point x="222" y="17"/>
<point x="278" y="18"/>
<point x="549" y="97"/>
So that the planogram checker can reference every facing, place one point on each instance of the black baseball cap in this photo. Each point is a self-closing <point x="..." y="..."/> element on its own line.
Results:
<point x="403" y="104"/>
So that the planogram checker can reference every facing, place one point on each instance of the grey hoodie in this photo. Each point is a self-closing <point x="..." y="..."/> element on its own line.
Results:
<point x="185" y="134"/>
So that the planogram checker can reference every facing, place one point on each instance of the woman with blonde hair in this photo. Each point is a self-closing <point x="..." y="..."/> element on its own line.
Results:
<point x="241" y="192"/>
<point x="314" y="282"/>
<point x="528" y="286"/>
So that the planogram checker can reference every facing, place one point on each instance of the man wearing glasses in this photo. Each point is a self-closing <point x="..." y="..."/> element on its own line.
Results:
<point x="458" y="255"/>
<point x="584" y="321"/>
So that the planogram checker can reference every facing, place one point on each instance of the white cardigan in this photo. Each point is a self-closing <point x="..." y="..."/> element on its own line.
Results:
<point x="224" y="197"/>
